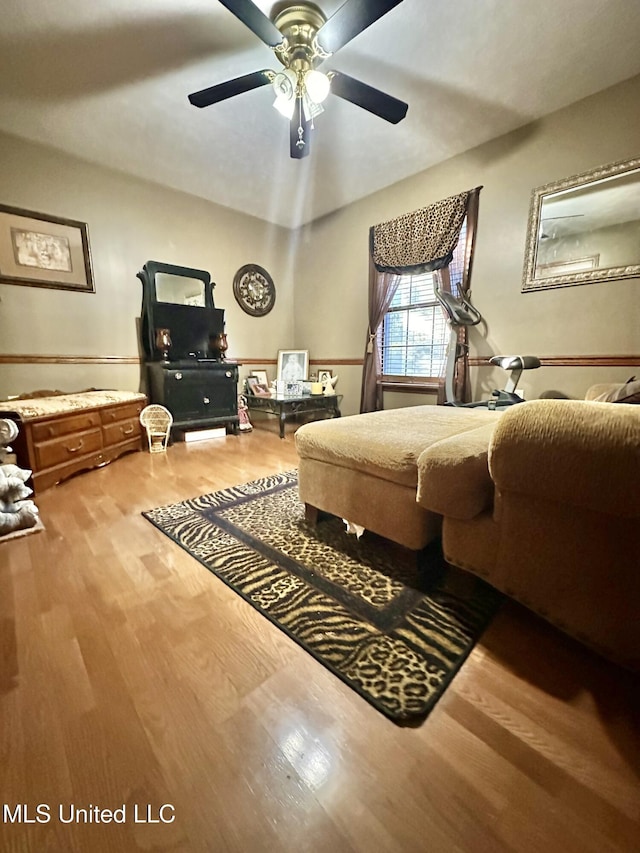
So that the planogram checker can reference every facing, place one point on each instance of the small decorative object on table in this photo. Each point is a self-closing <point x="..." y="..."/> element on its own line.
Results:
<point x="254" y="386"/>
<point x="327" y="381"/>
<point x="293" y="365"/>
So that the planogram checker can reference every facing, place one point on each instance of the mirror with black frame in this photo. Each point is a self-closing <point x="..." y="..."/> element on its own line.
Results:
<point x="585" y="228"/>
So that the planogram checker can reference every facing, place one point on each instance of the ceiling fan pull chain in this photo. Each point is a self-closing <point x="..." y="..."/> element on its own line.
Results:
<point x="300" y="143"/>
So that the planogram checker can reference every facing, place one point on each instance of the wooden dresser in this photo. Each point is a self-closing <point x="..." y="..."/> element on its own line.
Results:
<point x="64" y="434"/>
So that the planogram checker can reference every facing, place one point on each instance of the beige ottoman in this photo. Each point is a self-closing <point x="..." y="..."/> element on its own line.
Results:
<point x="363" y="468"/>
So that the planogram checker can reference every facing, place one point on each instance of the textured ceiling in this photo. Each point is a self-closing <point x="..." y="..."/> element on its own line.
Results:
<point x="108" y="81"/>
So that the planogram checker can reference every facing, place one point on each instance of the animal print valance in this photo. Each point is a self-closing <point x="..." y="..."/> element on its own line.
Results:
<point x="421" y="241"/>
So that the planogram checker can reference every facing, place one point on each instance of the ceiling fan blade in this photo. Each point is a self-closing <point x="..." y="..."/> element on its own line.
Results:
<point x="252" y="17"/>
<point x="350" y="20"/>
<point x="214" y="94"/>
<point x="299" y="143"/>
<point x="376" y="102"/>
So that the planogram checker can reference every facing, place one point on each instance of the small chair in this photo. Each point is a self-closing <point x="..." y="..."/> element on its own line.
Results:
<point x="157" y="421"/>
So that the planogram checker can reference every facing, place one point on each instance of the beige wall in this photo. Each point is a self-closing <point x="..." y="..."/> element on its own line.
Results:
<point x="129" y="222"/>
<point x="593" y="319"/>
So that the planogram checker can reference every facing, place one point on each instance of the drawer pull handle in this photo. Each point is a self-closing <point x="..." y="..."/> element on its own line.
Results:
<point x="206" y="400"/>
<point x="228" y="374"/>
<point x="178" y="376"/>
<point x="76" y="449"/>
<point x="127" y="430"/>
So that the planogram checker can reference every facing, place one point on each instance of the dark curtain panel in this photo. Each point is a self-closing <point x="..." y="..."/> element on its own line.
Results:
<point x="463" y="289"/>
<point x="382" y="287"/>
<point x="418" y="242"/>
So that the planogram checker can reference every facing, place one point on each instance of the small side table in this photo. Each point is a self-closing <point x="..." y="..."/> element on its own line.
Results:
<point x="285" y="407"/>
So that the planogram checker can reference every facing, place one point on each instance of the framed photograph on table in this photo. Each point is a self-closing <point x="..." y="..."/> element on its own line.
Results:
<point x="256" y="388"/>
<point x="39" y="250"/>
<point x="324" y="376"/>
<point x="261" y="376"/>
<point x="293" y="365"/>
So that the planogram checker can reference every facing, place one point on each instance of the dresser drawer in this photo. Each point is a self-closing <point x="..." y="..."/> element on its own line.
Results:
<point x="121" y="413"/>
<point x="64" y="426"/>
<point x="49" y="453"/>
<point x="121" y="431"/>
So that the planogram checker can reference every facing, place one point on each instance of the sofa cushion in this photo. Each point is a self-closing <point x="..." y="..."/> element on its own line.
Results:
<point x="453" y="474"/>
<point x="575" y="452"/>
<point x="386" y="444"/>
<point x="627" y="392"/>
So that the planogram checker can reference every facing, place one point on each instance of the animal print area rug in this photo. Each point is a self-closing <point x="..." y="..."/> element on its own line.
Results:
<point x="395" y="633"/>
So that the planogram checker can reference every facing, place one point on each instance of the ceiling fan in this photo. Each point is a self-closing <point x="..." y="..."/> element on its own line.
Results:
<point x="302" y="38"/>
<point x="544" y="229"/>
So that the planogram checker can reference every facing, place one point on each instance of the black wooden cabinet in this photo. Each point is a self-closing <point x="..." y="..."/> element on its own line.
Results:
<point x="198" y="395"/>
<point x="183" y="338"/>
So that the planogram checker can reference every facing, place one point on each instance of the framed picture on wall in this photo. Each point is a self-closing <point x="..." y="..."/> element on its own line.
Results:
<point x="293" y="365"/>
<point x="39" y="250"/>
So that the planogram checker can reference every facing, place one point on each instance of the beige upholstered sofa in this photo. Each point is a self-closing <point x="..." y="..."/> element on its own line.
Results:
<point x="542" y="501"/>
<point x="559" y="528"/>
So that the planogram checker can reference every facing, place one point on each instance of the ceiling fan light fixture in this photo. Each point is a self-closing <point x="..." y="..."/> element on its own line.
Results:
<point x="285" y="106"/>
<point x="317" y="85"/>
<point x="284" y="85"/>
<point x="310" y="108"/>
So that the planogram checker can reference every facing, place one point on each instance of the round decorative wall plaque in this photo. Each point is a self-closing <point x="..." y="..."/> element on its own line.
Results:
<point x="254" y="290"/>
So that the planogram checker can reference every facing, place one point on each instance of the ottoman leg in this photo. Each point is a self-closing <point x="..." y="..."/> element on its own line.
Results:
<point x="311" y="514"/>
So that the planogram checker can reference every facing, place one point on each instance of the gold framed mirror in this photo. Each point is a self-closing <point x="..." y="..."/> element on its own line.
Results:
<point x="584" y="229"/>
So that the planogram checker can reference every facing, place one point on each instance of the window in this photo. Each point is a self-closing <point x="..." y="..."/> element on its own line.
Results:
<point x="415" y="332"/>
<point x="414" y="337"/>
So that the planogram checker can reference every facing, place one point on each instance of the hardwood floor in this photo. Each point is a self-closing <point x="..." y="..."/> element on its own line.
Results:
<point x="132" y="677"/>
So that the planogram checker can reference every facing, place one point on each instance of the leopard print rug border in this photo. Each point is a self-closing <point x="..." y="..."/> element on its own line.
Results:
<point x="394" y="632"/>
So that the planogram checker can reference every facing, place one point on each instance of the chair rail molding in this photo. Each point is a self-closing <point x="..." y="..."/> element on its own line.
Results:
<point x="33" y="358"/>
<point x="631" y="360"/>
<point x="572" y="361"/>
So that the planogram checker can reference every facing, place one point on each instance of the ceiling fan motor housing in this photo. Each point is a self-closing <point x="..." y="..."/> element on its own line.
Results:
<point x="299" y="25"/>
